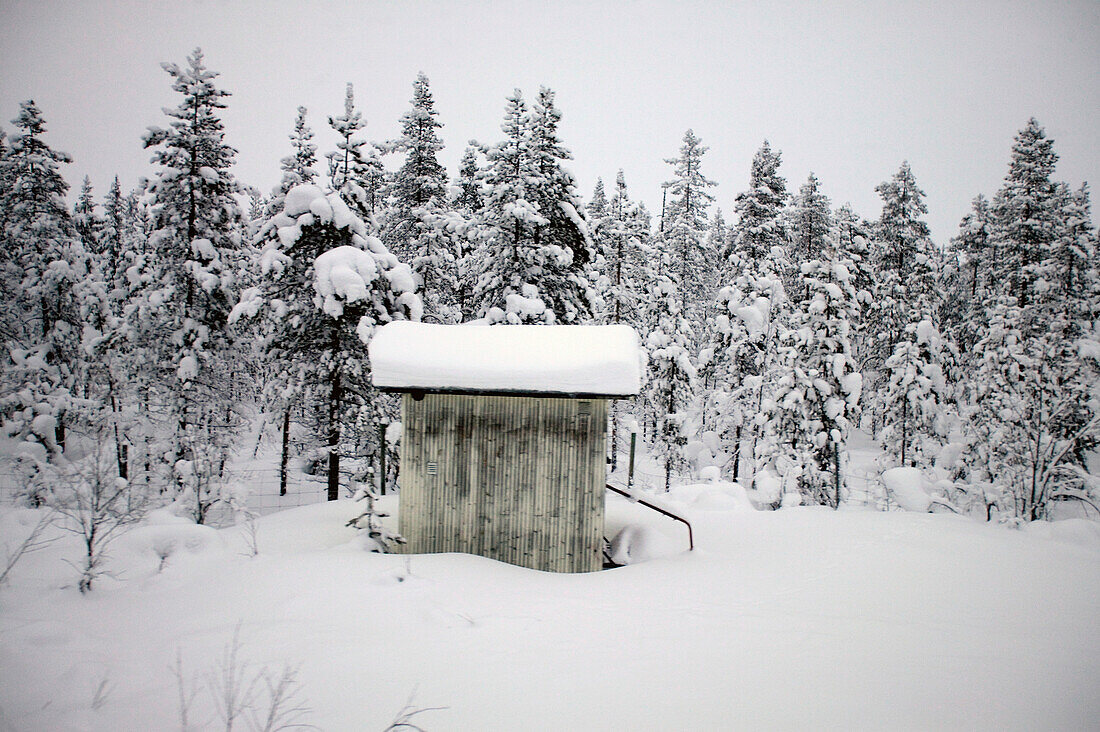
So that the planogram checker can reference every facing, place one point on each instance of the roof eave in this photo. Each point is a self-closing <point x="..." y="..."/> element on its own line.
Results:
<point x="418" y="393"/>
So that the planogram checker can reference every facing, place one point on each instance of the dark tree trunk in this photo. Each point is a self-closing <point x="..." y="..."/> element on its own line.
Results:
<point x="836" y="475"/>
<point x="283" y="459"/>
<point x="59" y="432"/>
<point x="904" y="427"/>
<point x="737" y="454"/>
<point x="334" y="438"/>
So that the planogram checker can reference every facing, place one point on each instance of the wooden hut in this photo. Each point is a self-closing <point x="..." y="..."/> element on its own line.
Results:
<point x="504" y="435"/>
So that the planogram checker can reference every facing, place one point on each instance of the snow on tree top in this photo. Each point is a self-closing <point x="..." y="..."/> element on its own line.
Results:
<point x="597" y="360"/>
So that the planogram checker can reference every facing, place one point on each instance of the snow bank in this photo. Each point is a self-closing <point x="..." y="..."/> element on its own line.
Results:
<point x="562" y="359"/>
<point x="163" y="541"/>
<point x="640" y="544"/>
<point x="877" y="620"/>
<point x="718" y="496"/>
<point x="906" y="485"/>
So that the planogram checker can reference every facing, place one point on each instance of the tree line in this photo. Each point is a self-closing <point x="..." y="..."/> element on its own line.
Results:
<point x="155" y="324"/>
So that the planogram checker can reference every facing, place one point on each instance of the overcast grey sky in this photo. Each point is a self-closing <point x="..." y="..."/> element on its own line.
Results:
<point x="847" y="90"/>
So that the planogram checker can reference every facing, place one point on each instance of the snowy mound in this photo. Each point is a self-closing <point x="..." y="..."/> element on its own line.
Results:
<point x="720" y="496"/>
<point x="906" y="485"/>
<point x="548" y="359"/>
<point x="641" y="544"/>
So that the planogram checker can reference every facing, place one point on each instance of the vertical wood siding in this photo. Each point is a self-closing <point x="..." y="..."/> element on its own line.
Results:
<point x="519" y="479"/>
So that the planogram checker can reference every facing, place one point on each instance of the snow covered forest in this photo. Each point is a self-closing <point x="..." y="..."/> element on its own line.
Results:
<point x="819" y="382"/>
<point x="143" y="331"/>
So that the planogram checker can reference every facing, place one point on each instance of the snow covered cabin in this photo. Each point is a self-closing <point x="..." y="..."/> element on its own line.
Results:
<point x="504" y="434"/>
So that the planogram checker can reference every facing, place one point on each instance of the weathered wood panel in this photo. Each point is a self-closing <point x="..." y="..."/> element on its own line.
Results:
<point x="519" y="479"/>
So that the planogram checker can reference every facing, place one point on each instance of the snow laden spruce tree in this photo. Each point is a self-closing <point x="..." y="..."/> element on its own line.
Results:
<point x="297" y="170"/>
<point x="54" y="302"/>
<point x="324" y="285"/>
<point x="297" y="167"/>
<point x="354" y="168"/>
<point x="671" y="379"/>
<point x="676" y="291"/>
<point x="620" y="230"/>
<point x="620" y="233"/>
<point x="466" y="202"/>
<point x="852" y="239"/>
<point x="971" y="253"/>
<point x="751" y="313"/>
<point x="533" y="246"/>
<point x="86" y="221"/>
<point x="113" y="250"/>
<point x="717" y="234"/>
<point x="684" y="232"/>
<point x="912" y="395"/>
<point x="183" y="360"/>
<point x="816" y="401"/>
<point x="1035" y="411"/>
<point x="415" y="226"/>
<point x="811" y="225"/>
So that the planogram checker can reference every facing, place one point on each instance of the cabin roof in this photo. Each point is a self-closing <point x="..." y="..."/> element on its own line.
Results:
<point x="552" y="360"/>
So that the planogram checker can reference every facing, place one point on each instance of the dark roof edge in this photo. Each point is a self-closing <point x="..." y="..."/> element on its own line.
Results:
<point x="420" y="392"/>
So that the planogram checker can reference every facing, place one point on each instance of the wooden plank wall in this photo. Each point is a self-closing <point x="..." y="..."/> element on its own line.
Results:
<point x="519" y="479"/>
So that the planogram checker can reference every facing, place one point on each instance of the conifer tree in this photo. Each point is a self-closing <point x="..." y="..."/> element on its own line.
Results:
<point x="811" y="225"/>
<point x="619" y="231"/>
<point x="598" y="207"/>
<point x="853" y="238"/>
<point x="469" y="198"/>
<point x="623" y="238"/>
<point x="915" y="396"/>
<point x="297" y="169"/>
<point x="1033" y="414"/>
<point x="421" y="179"/>
<point x="685" y="232"/>
<point x="416" y="222"/>
<point x="466" y="203"/>
<point x="752" y="307"/>
<point x="975" y="242"/>
<point x="817" y="398"/>
<point x="555" y="190"/>
<point x="111" y="240"/>
<point x="599" y="230"/>
<point x="906" y="286"/>
<point x="324" y="284"/>
<point x="298" y="166"/>
<point x="974" y="256"/>
<point x="354" y="168"/>
<point x="671" y="379"/>
<point x="902" y="240"/>
<point x="87" y="223"/>
<point x="112" y="356"/>
<point x="1030" y="426"/>
<point x="1026" y="210"/>
<point x="534" y="245"/>
<point x="178" y="317"/>
<point x="5" y="178"/>
<point x="760" y="226"/>
<point x="52" y="292"/>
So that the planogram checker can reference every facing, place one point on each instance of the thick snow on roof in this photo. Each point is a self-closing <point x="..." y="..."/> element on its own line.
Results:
<point x="547" y="359"/>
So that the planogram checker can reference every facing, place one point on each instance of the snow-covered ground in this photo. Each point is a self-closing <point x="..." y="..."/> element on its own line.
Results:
<point x="801" y="618"/>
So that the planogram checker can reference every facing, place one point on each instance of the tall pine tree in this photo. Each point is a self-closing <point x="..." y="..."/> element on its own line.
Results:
<point x="178" y="318"/>
<point x="534" y="249"/>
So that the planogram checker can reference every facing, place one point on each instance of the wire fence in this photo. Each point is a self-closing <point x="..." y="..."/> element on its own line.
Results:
<point x="859" y="488"/>
<point x="262" y="495"/>
<point x="259" y="489"/>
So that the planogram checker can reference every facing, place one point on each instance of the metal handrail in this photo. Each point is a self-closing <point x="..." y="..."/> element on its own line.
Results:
<point x="658" y="509"/>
